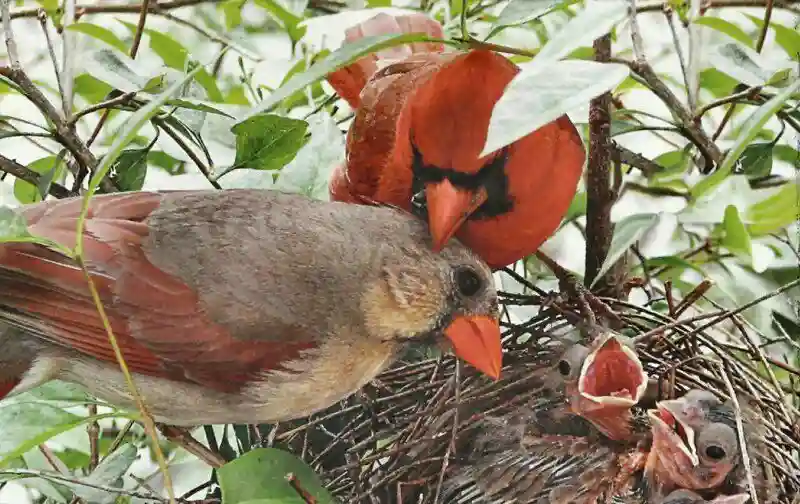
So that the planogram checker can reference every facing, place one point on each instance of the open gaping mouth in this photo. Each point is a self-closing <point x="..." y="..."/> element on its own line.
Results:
<point x="672" y="430"/>
<point x="613" y="374"/>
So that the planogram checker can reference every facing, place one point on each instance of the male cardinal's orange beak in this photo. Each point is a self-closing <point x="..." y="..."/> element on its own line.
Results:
<point x="476" y="340"/>
<point x="448" y="208"/>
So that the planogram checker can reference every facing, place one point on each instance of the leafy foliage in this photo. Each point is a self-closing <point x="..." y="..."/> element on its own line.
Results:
<point x="231" y="94"/>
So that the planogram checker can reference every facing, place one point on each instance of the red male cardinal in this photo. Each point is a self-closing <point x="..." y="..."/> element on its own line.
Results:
<point x="236" y="306"/>
<point x="419" y="128"/>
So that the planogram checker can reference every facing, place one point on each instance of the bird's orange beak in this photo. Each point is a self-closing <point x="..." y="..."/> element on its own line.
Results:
<point x="476" y="340"/>
<point x="448" y="208"/>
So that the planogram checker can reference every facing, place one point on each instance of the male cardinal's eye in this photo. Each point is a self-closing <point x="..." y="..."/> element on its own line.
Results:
<point x="469" y="283"/>
<point x="564" y="368"/>
<point x="715" y="452"/>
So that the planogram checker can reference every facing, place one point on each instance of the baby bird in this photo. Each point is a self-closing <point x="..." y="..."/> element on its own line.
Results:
<point x="684" y="496"/>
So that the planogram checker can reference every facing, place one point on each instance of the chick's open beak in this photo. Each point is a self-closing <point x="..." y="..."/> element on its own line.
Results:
<point x="448" y="208"/>
<point x="612" y="375"/>
<point x="476" y="340"/>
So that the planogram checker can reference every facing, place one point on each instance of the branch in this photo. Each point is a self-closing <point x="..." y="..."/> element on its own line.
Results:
<point x="599" y="194"/>
<point x="626" y="156"/>
<point x="24" y="173"/>
<point x="64" y="133"/>
<point x="790" y="5"/>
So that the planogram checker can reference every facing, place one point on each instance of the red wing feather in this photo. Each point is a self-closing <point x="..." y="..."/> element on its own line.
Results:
<point x="157" y="319"/>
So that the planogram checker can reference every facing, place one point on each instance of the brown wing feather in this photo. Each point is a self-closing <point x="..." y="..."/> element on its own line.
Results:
<point x="157" y="319"/>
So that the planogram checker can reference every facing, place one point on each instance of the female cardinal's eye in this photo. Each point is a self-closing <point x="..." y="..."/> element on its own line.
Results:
<point x="564" y="368"/>
<point x="468" y="282"/>
<point x="715" y="452"/>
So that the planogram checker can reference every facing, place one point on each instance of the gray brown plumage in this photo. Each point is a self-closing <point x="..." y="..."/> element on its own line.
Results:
<point x="235" y="306"/>
<point x="696" y="446"/>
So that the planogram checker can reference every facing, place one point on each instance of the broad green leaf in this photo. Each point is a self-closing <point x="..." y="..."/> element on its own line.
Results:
<point x="26" y="425"/>
<point x="261" y="474"/>
<point x="58" y="393"/>
<point x="49" y="5"/>
<point x="594" y="21"/>
<point x="289" y="20"/>
<point x="517" y="12"/>
<point x="117" y="70"/>
<point x="372" y="4"/>
<point x="775" y="212"/>
<point x="12" y="225"/>
<point x="91" y="89"/>
<point x="786" y="154"/>
<point x="626" y="232"/>
<point x="169" y="164"/>
<point x="268" y="141"/>
<point x="193" y="104"/>
<point x="99" y="33"/>
<point x="750" y="128"/>
<point x="741" y="63"/>
<point x="50" y="167"/>
<point x="735" y="237"/>
<point x="172" y="52"/>
<point x="716" y="82"/>
<point x="544" y="91"/>
<point x="129" y="169"/>
<point x="232" y="11"/>
<point x="309" y="172"/>
<point x="131" y="129"/>
<point x="725" y="27"/>
<point x="757" y="159"/>
<point x="343" y="56"/>
<point x="108" y="474"/>
<point x="577" y="208"/>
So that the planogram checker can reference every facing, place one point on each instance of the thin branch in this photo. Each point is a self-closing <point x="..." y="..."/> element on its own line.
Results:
<point x="621" y="154"/>
<point x="205" y="170"/>
<point x="790" y="5"/>
<point x="226" y="42"/>
<point x="107" y="104"/>
<point x="137" y="37"/>
<point x="762" y="36"/>
<point x="668" y="13"/>
<point x="11" y="45"/>
<point x="120" y="8"/>
<point x="694" y="132"/>
<point x="42" y="17"/>
<point x="23" y="173"/>
<point x="747" y="93"/>
<point x="67" y="58"/>
<point x="636" y="35"/>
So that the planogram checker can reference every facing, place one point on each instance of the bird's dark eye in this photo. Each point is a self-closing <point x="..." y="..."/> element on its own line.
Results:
<point x="715" y="452"/>
<point x="468" y="281"/>
<point x="564" y="368"/>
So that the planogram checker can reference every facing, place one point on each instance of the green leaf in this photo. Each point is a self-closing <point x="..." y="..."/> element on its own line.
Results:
<point x="289" y="20"/>
<point x="309" y="172"/>
<point x="517" y="12"/>
<point x="192" y="104"/>
<point x="672" y="262"/>
<point x="99" y="33"/>
<point x="725" y="27"/>
<point x="741" y="63"/>
<point x="168" y="49"/>
<point x="757" y="159"/>
<point x="775" y="212"/>
<point x="232" y="11"/>
<point x="131" y="129"/>
<point x="129" y="170"/>
<point x="545" y="91"/>
<point x="50" y="167"/>
<point x="91" y="89"/>
<point x="268" y="141"/>
<point x="108" y="473"/>
<point x="716" y="82"/>
<point x="343" y="56"/>
<point x="26" y="425"/>
<point x="786" y="154"/>
<point x="626" y="232"/>
<point x="117" y="70"/>
<point x="594" y="21"/>
<point x="577" y="208"/>
<point x="12" y="225"/>
<point x="750" y="128"/>
<point x="735" y="237"/>
<point x="261" y="474"/>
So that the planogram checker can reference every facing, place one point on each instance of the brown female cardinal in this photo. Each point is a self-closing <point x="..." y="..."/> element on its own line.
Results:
<point x="235" y="306"/>
<point x="420" y="126"/>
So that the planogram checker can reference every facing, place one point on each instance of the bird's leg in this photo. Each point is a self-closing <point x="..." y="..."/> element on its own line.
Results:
<point x="568" y="283"/>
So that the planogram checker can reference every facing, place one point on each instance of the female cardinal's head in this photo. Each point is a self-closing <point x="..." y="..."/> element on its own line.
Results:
<point x="422" y="295"/>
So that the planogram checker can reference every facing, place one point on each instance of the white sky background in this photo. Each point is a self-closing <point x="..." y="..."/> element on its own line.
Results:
<point x="328" y="31"/>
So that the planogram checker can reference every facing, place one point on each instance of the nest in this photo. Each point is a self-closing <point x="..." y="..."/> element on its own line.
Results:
<point x="395" y="440"/>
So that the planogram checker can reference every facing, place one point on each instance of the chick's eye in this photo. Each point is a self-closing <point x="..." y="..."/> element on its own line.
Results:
<point x="715" y="452"/>
<point x="468" y="282"/>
